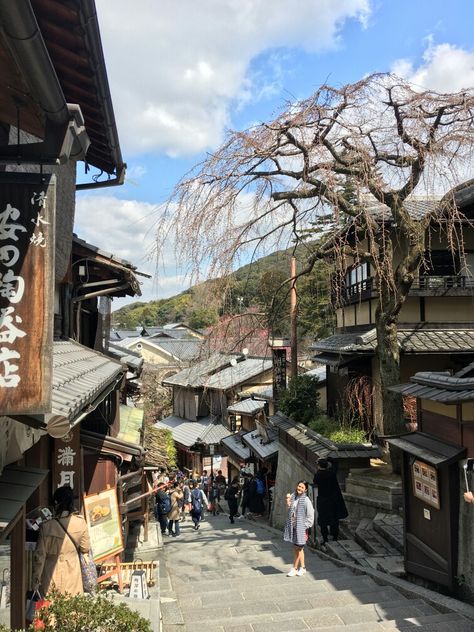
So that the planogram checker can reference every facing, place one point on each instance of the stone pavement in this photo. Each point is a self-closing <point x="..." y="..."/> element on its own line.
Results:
<point x="232" y="578"/>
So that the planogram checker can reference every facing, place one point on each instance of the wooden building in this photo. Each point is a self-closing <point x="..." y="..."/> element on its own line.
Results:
<point x="439" y="524"/>
<point x="435" y="327"/>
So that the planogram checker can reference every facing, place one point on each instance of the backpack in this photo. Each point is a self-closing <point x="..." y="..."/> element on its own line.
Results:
<point x="260" y="486"/>
<point x="196" y="501"/>
<point x="164" y="506"/>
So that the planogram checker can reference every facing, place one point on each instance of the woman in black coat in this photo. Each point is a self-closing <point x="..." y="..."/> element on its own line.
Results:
<point x="330" y="502"/>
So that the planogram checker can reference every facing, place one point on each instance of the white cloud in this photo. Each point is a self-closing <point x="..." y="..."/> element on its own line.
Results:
<point x="445" y="68"/>
<point x="176" y="66"/>
<point x="126" y="229"/>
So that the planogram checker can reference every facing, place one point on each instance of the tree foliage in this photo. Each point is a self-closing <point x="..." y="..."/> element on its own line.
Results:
<point x="345" y="161"/>
<point x="300" y="400"/>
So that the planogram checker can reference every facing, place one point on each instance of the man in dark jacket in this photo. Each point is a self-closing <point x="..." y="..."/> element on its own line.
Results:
<point x="162" y="507"/>
<point x="330" y="502"/>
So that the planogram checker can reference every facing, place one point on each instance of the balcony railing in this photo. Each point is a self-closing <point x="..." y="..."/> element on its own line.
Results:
<point x="427" y="285"/>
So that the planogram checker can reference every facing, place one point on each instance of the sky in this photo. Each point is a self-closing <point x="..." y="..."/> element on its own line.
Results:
<point x="182" y="72"/>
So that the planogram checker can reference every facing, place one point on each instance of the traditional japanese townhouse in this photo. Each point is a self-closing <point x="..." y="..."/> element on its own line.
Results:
<point x="55" y="110"/>
<point x="201" y="397"/>
<point x="438" y="479"/>
<point x="435" y="327"/>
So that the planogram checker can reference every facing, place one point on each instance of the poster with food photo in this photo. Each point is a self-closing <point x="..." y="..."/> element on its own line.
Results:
<point x="103" y="520"/>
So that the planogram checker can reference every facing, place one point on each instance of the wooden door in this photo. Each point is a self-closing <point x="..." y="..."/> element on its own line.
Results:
<point x="431" y="534"/>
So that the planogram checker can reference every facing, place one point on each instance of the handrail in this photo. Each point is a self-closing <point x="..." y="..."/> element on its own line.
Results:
<point x="423" y="282"/>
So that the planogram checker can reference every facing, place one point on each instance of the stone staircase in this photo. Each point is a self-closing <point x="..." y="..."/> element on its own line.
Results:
<point x="232" y="578"/>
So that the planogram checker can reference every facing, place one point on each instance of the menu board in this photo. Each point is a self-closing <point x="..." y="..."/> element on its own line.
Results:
<point x="104" y="522"/>
<point x="425" y="483"/>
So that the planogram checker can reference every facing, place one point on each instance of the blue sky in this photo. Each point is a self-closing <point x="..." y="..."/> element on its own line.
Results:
<point x="182" y="71"/>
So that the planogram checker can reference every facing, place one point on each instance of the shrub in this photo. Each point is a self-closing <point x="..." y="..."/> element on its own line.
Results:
<point x="301" y="399"/>
<point x="84" y="613"/>
<point x="336" y="431"/>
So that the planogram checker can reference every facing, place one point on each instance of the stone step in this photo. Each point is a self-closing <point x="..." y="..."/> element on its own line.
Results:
<point x="371" y="541"/>
<point x="280" y="614"/>
<point x="364" y="506"/>
<point x="306" y="584"/>
<point x="390" y="526"/>
<point x="448" y="617"/>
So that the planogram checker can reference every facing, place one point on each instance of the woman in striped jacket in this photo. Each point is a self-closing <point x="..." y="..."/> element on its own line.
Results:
<point x="300" y="519"/>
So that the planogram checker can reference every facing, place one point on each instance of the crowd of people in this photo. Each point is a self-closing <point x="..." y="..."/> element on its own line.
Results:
<point x="179" y="497"/>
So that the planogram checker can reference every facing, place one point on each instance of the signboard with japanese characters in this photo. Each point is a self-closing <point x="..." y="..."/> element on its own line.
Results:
<point x="279" y="371"/>
<point x="67" y="462"/>
<point x="425" y="483"/>
<point x="104" y="522"/>
<point x="27" y="206"/>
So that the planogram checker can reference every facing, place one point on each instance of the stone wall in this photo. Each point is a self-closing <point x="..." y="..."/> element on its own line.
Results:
<point x="466" y="541"/>
<point x="290" y="471"/>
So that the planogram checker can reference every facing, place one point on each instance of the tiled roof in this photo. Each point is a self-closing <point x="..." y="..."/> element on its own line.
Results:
<point x="263" y="448"/>
<point x="428" y="448"/>
<point x="241" y="372"/>
<point x="418" y="206"/>
<point x="416" y="340"/>
<point x="262" y="392"/>
<point x="184" y="349"/>
<point x="80" y="375"/>
<point x="187" y="433"/>
<point x="319" y="372"/>
<point x="321" y="446"/>
<point x="127" y="356"/>
<point x="198" y="375"/>
<point x="234" y="444"/>
<point x="440" y="386"/>
<point x="246" y="407"/>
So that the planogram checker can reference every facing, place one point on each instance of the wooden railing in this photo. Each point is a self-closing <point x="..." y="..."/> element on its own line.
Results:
<point x="424" y="283"/>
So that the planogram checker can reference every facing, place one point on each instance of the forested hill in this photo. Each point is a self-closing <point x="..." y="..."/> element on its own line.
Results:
<point x="252" y="286"/>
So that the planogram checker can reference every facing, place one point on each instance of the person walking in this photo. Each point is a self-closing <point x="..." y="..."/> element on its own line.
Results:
<point x="186" y="499"/>
<point x="162" y="507"/>
<point x="245" y="494"/>
<point x="198" y="502"/>
<point x="176" y="496"/>
<point x="300" y="518"/>
<point x="56" y="559"/>
<point x="330" y="502"/>
<point x="232" y="497"/>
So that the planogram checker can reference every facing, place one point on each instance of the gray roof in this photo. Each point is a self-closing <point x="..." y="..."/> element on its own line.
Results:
<point x="262" y="447"/>
<point x="415" y="340"/>
<point x="122" y="334"/>
<point x="127" y="356"/>
<point x="187" y="432"/>
<point x="261" y="392"/>
<point x="80" y="375"/>
<point x="440" y="386"/>
<point x="319" y="446"/>
<point x="319" y="372"/>
<point x="246" y="407"/>
<point x="428" y="448"/>
<point x="217" y="371"/>
<point x="234" y="444"/>
<point x="418" y="206"/>
<point x="184" y="349"/>
<point x="241" y="372"/>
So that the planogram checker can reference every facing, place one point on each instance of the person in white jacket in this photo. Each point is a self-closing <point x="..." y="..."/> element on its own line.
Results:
<point x="300" y="518"/>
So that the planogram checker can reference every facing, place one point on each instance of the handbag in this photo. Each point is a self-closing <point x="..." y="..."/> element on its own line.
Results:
<point x="88" y="567"/>
<point x="34" y="604"/>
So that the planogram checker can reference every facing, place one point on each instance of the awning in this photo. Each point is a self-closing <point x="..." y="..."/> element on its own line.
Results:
<point x="82" y="378"/>
<point x="235" y="448"/>
<point x="16" y="486"/>
<point x="187" y="433"/>
<point x="334" y="360"/>
<point x="429" y="449"/>
<point x="264" y="447"/>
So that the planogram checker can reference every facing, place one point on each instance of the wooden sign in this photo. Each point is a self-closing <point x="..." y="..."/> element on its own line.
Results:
<point x="279" y="371"/>
<point x="66" y="462"/>
<point x="104" y="522"/>
<point x="27" y="207"/>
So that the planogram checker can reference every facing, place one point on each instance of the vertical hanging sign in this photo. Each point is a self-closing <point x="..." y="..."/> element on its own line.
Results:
<point x="66" y="462"/>
<point x="27" y="206"/>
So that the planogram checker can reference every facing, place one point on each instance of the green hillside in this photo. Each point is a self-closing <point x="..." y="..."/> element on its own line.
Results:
<point x="255" y="286"/>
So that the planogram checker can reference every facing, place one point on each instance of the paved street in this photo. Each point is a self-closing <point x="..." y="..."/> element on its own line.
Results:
<point x="232" y="578"/>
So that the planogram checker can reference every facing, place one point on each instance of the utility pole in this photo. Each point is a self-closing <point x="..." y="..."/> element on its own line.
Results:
<point x="293" y="320"/>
